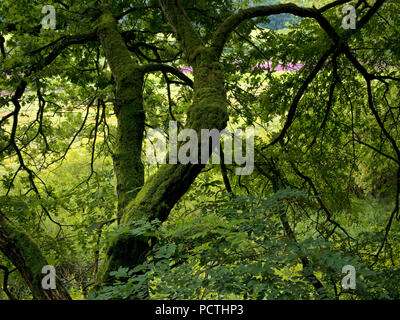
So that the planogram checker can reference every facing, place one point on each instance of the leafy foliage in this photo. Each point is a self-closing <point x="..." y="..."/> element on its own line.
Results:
<point x="325" y="188"/>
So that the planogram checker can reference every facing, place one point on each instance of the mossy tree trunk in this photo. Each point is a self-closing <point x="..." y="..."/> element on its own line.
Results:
<point x="162" y="191"/>
<point x="128" y="107"/>
<point x="26" y="256"/>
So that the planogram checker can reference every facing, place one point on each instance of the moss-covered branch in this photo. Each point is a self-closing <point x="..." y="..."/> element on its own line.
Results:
<point x="58" y="46"/>
<point x="187" y="35"/>
<point x="128" y="107"/>
<point x="114" y="47"/>
<point x="224" y="30"/>
<point x="26" y="256"/>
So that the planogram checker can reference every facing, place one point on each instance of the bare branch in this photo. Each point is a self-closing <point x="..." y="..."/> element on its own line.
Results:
<point x="5" y="282"/>
<point x="166" y="68"/>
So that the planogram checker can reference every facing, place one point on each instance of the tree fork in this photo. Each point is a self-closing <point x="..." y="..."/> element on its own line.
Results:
<point x="163" y="190"/>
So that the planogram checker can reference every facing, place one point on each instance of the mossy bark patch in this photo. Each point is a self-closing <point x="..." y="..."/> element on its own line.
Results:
<point x="24" y="253"/>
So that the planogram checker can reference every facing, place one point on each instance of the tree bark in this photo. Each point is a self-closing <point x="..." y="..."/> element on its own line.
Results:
<point x="26" y="256"/>
<point x="162" y="191"/>
<point x="128" y="107"/>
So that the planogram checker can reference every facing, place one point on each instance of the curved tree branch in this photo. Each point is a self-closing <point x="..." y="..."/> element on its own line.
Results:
<point x="187" y="35"/>
<point x="166" y="68"/>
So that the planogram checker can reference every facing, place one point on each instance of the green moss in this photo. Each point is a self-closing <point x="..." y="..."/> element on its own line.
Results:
<point x="118" y="55"/>
<point x="129" y="109"/>
<point x="160" y="193"/>
<point x="33" y="259"/>
<point x="197" y="51"/>
<point x="131" y="119"/>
